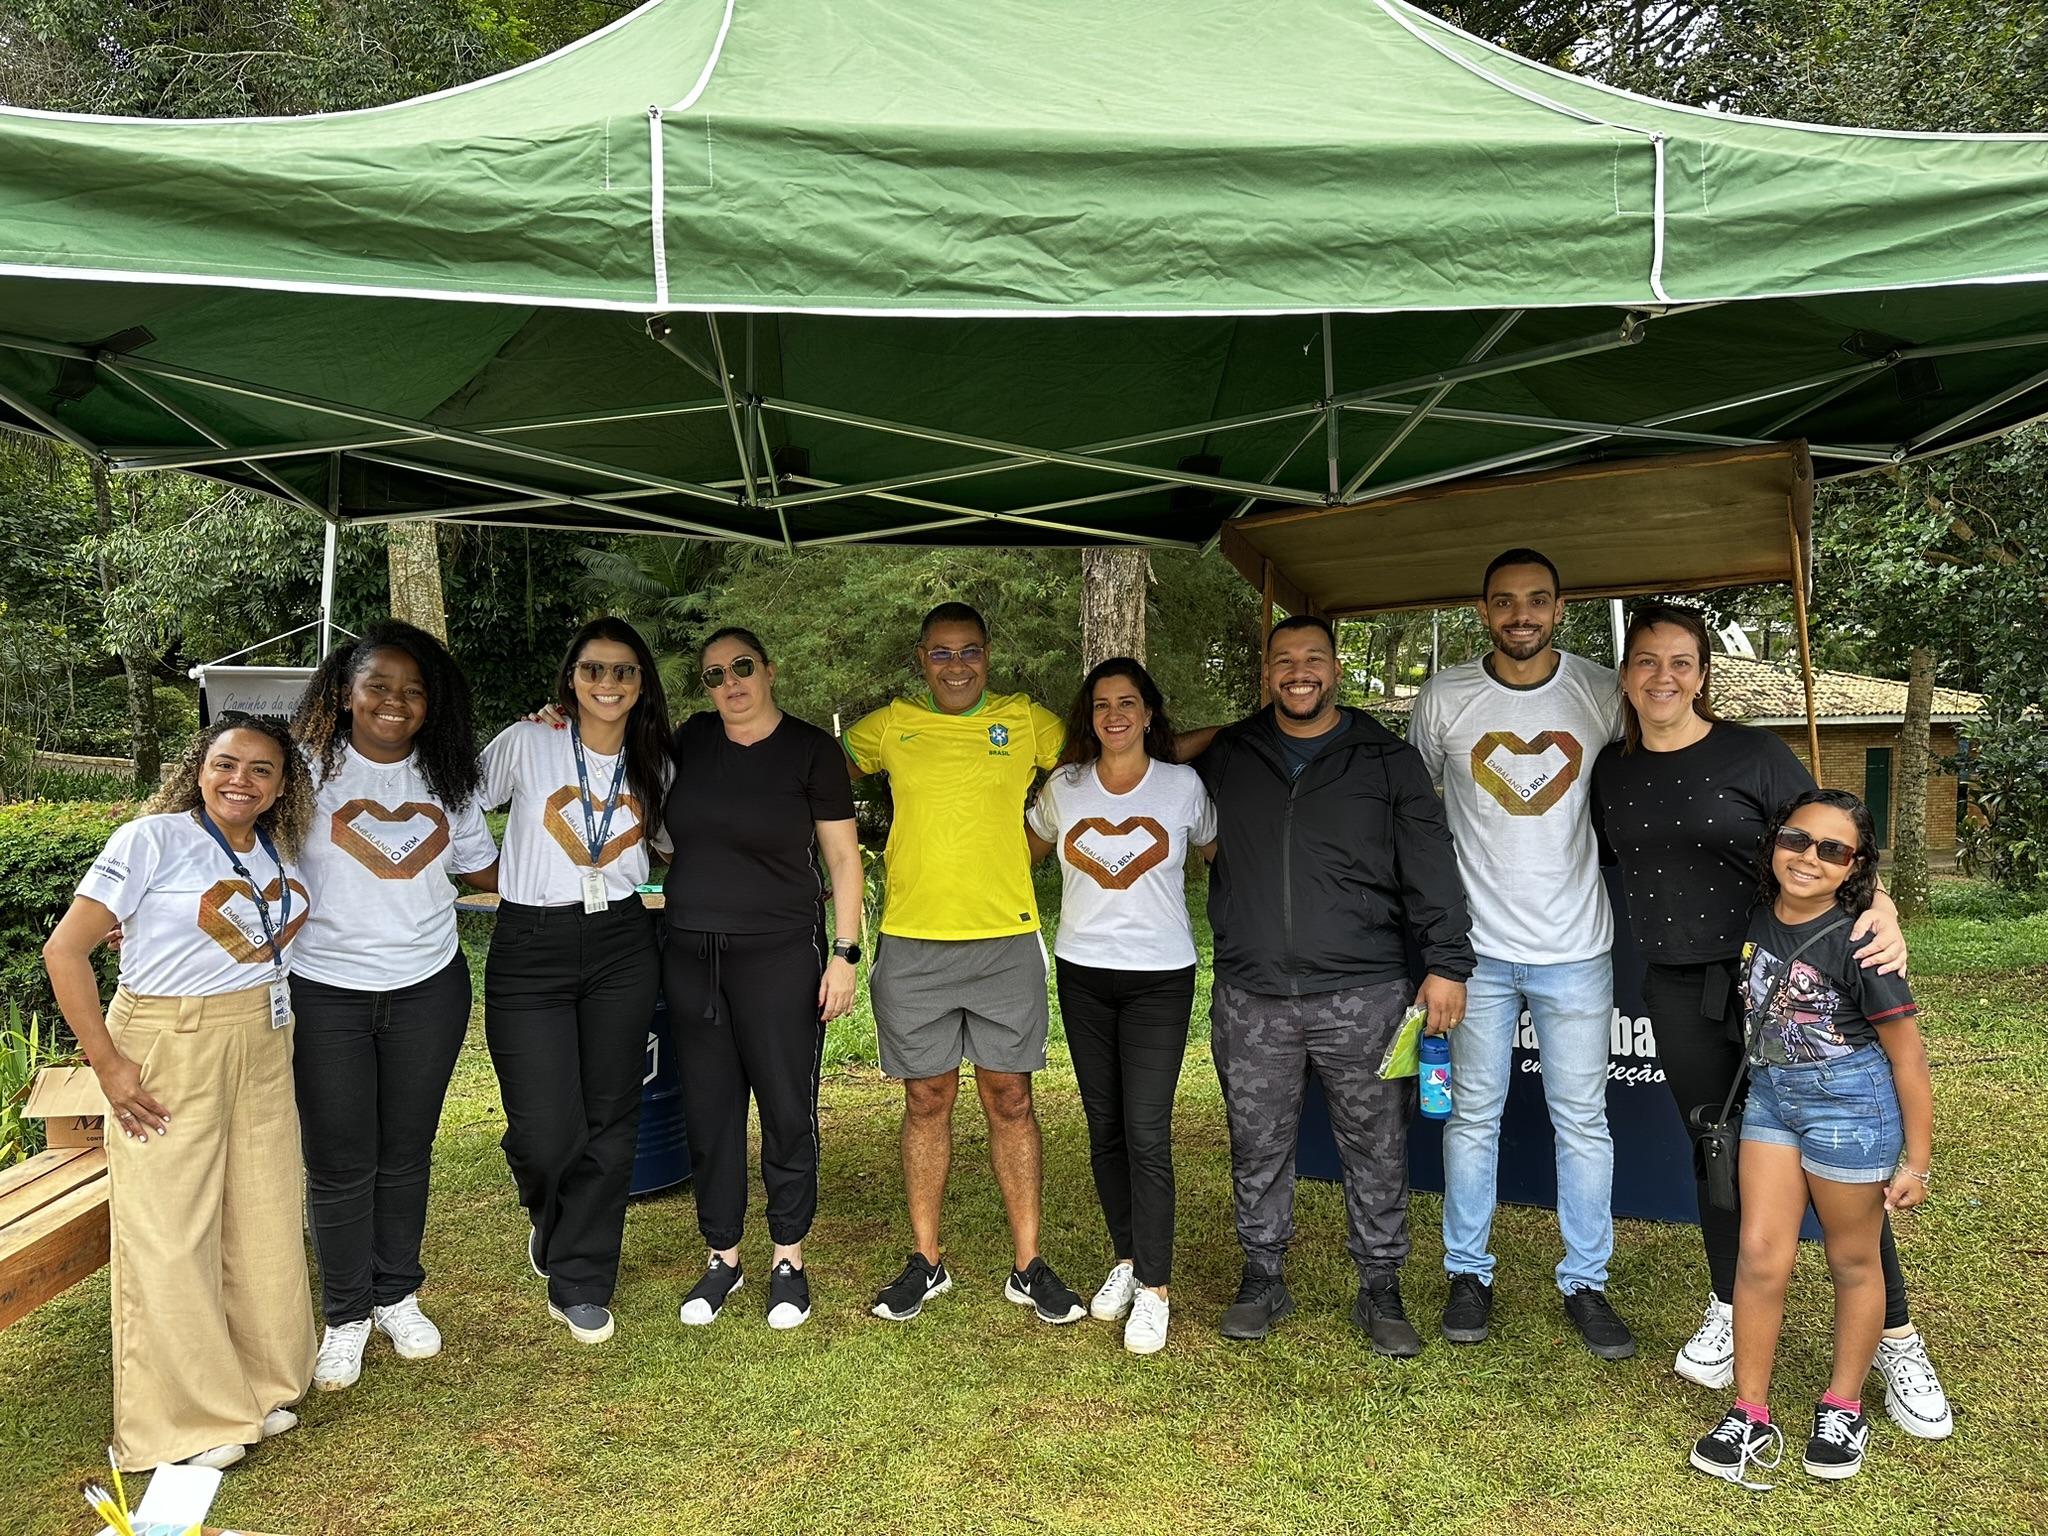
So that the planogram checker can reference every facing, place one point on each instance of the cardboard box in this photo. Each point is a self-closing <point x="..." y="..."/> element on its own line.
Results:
<point x="69" y="1100"/>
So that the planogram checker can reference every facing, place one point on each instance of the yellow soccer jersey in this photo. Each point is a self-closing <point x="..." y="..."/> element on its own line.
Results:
<point x="958" y="865"/>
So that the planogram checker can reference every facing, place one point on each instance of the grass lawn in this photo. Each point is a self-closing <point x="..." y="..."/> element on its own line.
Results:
<point x="976" y="1418"/>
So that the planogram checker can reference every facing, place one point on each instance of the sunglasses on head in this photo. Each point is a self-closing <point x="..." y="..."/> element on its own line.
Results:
<point x="617" y="671"/>
<point x="739" y="666"/>
<point x="1826" y="849"/>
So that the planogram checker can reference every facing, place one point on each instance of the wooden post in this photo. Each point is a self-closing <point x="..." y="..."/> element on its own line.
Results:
<point x="1265" y="628"/>
<point x="1805" y="645"/>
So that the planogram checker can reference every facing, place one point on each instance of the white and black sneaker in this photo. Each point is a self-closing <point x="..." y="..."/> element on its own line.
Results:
<point x="904" y="1297"/>
<point x="1113" y="1300"/>
<point x="1037" y="1287"/>
<point x="1839" y="1440"/>
<point x="533" y="1254"/>
<point x="1736" y="1444"/>
<point x="1709" y="1355"/>
<point x="789" y="1296"/>
<point x="708" y="1296"/>
<point x="1912" y="1392"/>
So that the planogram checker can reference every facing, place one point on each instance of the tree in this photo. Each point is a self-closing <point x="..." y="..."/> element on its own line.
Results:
<point x="144" y="747"/>
<point x="1113" y="582"/>
<point x="415" y="561"/>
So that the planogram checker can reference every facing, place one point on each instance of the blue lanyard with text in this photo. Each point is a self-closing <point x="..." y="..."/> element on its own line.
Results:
<point x="596" y="832"/>
<point x="284" y="886"/>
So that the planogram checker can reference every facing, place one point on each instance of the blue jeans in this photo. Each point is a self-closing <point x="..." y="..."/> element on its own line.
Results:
<point x="1571" y="1005"/>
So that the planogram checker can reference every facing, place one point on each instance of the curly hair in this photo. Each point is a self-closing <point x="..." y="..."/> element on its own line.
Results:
<point x="290" y="816"/>
<point x="445" y="747"/>
<point x="1859" y="888"/>
<point x="1084" y="746"/>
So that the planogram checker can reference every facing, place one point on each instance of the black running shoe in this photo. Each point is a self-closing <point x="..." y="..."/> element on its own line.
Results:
<point x="1468" y="1310"/>
<point x="1606" y="1335"/>
<point x="789" y="1296"/>
<point x="707" y="1297"/>
<point x="1734" y="1445"/>
<point x="1379" y="1312"/>
<point x="1036" y="1286"/>
<point x="1839" y="1440"/>
<point x="1262" y="1300"/>
<point x="904" y="1297"/>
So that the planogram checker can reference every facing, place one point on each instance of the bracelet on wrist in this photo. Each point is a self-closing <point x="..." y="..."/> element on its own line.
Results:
<point x="1925" y="1176"/>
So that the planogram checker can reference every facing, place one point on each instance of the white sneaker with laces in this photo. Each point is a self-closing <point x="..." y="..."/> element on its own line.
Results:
<point x="410" y="1331"/>
<point x="279" y="1421"/>
<point x="1113" y="1300"/>
<point x="340" y="1361"/>
<point x="1145" y="1333"/>
<point x="1709" y="1355"/>
<point x="1912" y="1392"/>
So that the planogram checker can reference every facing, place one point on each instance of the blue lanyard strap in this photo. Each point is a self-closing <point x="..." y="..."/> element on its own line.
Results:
<point x="284" y="885"/>
<point x="596" y="833"/>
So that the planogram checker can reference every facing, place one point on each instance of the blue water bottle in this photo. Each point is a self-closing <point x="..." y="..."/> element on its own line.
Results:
<point x="1434" y="1054"/>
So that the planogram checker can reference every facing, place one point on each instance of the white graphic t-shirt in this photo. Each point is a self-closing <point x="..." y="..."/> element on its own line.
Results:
<point x="1515" y="766"/>
<point x="1123" y="901"/>
<point x="380" y="854"/>
<point x="547" y="846"/>
<point x="189" y="925"/>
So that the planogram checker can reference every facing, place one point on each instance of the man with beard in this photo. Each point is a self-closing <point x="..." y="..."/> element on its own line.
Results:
<point x="1510" y="739"/>
<point x="1331" y="843"/>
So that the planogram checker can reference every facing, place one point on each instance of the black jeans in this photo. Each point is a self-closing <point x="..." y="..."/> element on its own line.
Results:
<point x="370" y="1070"/>
<point x="1127" y="1031"/>
<point x="568" y="996"/>
<point x="1696" y="1013"/>
<point x="743" y="1010"/>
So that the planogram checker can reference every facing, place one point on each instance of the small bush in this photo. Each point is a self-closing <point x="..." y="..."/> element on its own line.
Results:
<point x="45" y="846"/>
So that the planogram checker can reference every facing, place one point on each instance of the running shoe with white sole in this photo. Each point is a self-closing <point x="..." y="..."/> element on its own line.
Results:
<point x="789" y="1296"/>
<point x="1709" y="1355"/>
<point x="412" y="1334"/>
<point x="1839" y="1439"/>
<point x="1037" y="1287"/>
<point x="339" y="1364"/>
<point x="1113" y="1298"/>
<point x="588" y="1323"/>
<point x="279" y="1421"/>
<point x="1736" y="1444"/>
<point x="1145" y="1332"/>
<point x="707" y="1297"/>
<point x="220" y="1457"/>
<point x="1912" y="1392"/>
<point x="904" y="1297"/>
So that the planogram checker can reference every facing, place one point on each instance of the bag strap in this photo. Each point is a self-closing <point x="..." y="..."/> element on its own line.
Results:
<point x="1748" y="1033"/>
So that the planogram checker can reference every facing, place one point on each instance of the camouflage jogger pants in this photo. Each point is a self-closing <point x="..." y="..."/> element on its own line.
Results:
<point x="1265" y="1048"/>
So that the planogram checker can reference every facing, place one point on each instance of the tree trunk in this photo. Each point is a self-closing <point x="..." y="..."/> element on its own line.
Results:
<point x="415" y="560"/>
<point x="1113" y="583"/>
<point x="143" y="744"/>
<point x="1392" y="633"/>
<point x="1909" y="882"/>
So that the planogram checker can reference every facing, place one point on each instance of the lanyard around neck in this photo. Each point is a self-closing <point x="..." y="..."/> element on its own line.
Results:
<point x="596" y="833"/>
<point x="284" y="885"/>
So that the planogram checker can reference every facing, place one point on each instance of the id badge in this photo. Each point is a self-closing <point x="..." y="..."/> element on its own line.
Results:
<point x="594" y="899"/>
<point x="280" y="1003"/>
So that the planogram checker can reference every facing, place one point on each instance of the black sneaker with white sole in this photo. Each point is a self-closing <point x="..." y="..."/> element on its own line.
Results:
<point x="789" y="1296"/>
<point x="707" y="1297"/>
<point x="904" y="1297"/>
<point x="588" y="1323"/>
<point x="1736" y="1444"/>
<point x="1037" y="1287"/>
<point x="1838" y="1442"/>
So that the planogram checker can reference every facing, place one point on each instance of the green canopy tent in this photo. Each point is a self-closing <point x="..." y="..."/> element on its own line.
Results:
<point x="799" y="272"/>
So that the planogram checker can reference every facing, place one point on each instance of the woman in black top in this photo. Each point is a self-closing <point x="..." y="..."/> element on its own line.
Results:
<point x="758" y="797"/>
<point x="1682" y="802"/>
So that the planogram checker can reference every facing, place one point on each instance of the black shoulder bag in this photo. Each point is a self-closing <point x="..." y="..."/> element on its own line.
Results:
<point x="1718" y="1139"/>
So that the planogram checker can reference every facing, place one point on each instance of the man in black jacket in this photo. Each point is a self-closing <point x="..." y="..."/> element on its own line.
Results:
<point x="1332" y="843"/>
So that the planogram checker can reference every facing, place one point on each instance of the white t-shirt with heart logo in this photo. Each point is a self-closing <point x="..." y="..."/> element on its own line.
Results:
<point x="1123" y="901"/>
<point x="380" y="854"/>
<point x="189" y="925"/>
<point x="547" y="846"/>
<point x="1516" y="768"/>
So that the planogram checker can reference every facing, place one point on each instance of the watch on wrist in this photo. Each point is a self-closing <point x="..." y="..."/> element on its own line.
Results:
<point x="847" y="950"/>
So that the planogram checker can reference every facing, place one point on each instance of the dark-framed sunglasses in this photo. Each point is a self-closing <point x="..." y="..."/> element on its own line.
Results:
<point x="739" y="666"/>
<point x="1827" y="849"/>
<point x="617" y="671"/>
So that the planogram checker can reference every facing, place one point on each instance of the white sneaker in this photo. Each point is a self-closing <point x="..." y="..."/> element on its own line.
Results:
<point x="408" y="1329"/>
<point x="1145" y="1333"/>
<point x="220" y="1458"/>
<point x="279" y="1421"/>
<point x="340" y="1361"/>
<point x="1709" y="1355"/>
<point x="1113" y="1300"/>
<point x="1912" y="1392"/>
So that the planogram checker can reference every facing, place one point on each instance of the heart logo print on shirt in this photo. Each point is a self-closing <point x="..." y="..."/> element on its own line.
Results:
<point x="1526" y="777"/>
<point x="227" y="915"/>
<point x="569" y="832"/>
<point x="392" y="844"/>
<point x="1115" y="856"/>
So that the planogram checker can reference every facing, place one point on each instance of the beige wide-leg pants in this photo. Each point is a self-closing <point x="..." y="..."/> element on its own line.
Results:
<point x="212" y="1317"/>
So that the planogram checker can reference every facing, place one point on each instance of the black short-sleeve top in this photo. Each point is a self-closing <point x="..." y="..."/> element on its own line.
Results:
<point x="743" y="820"/>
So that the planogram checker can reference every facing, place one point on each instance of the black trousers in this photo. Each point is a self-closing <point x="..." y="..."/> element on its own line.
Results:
<point x="370" y="1070"/>
<point x="1696" y="1012"/>
<point x="1127" y="1031"/>
<point x="568" y="996"/>
<point x="743" y="1010"/>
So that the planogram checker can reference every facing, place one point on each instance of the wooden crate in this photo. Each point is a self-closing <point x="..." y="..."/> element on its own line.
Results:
<point x="53" y="1226"/>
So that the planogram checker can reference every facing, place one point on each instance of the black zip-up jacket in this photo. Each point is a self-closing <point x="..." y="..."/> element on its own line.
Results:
<point x="1316" y="877"/>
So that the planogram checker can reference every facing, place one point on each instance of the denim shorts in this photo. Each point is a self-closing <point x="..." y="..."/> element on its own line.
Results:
<point x="1842" y="1115"/>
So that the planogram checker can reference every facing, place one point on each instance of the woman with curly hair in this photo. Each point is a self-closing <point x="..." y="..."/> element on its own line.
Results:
<point x="212" y="1334"/>
<point x="379" y="982"/>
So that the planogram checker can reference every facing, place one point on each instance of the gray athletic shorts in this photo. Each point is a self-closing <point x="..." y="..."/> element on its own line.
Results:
<point x="941" y="1001"/>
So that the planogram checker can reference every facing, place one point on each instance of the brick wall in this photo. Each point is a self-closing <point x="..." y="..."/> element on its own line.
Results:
<point x="1842" y="749"/>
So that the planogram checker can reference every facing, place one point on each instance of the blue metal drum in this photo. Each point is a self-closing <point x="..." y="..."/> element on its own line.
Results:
<point x="663" y="1156"/>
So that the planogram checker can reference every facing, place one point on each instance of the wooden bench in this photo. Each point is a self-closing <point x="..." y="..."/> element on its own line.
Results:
<point x="53" y="1226"/>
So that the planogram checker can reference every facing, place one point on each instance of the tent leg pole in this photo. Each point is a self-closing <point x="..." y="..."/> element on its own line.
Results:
<point x="1265" y="629"/>
<point x="327" y="592"/>
<point x="1805" y="646"/>
<point x="1618" y="620"/>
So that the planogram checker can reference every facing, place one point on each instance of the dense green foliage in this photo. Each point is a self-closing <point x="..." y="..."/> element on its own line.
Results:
<point x="44" y="847"/>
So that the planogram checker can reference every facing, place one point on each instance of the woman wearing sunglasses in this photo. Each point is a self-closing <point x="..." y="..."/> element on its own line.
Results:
<point x="1683" y="801"/>
<point x="760" y="798"/>
<point x="572" y="976"/>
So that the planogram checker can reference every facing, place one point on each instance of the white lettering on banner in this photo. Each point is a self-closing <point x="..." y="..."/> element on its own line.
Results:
<point x="653" y="1058"/>
<point x="1631" y="1050"/>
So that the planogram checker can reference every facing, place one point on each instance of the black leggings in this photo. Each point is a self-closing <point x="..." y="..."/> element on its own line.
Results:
<point x="1127" y="1031"/>
<point x="743" y="1009"/>
<point x="1697" y="1016"/>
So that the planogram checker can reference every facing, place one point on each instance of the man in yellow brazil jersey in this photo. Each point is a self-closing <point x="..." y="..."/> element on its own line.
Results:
<point x="959" y="971"/>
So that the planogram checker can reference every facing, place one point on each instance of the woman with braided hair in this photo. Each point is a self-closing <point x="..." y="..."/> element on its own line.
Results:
<point x="379" y="982"/>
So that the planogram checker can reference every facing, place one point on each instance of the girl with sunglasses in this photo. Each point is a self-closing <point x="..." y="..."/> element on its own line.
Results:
<point x="760" y="799"/>
<point x="572" y="976"/>
<point x="1840" y="1113"/>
